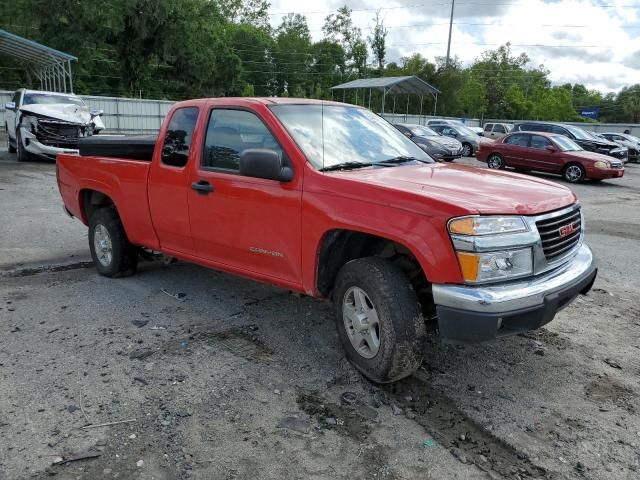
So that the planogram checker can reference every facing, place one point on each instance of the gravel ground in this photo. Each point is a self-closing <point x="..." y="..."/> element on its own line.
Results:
<point x="239" y="380"/>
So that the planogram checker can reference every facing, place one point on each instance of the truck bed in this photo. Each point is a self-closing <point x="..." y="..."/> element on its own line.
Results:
<point x="124" y="180"/>
<point x="133" y="147"/>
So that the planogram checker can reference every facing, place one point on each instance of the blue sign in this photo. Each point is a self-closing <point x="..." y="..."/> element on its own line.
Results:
<point x="591" y="112"/>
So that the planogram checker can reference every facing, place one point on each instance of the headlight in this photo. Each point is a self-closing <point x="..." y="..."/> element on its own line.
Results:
<point x="486" y="225"/>
<point x="601" y="164"/>
<point x="487" y="266"/>
<point x="493" y="248"/>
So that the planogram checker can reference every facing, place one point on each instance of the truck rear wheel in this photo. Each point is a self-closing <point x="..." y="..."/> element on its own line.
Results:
<point x="112" y="253"/>
<point x="379" y="319"/>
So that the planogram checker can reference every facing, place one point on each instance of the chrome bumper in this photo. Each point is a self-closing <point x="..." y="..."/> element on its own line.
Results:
<point x="519" y="295"/>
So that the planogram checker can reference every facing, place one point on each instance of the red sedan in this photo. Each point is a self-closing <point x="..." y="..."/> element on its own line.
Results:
<point x="550" y="153"/>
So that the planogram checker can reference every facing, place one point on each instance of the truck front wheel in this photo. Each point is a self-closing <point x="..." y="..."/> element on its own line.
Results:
<point x="379" y="319"/>
<point x="112" y="253"/>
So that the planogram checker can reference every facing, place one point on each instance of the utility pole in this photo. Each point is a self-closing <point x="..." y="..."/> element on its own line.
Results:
<point x="453" y="2"/>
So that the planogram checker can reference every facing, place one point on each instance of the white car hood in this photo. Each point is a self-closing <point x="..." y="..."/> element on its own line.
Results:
<point x="61" y="111"/>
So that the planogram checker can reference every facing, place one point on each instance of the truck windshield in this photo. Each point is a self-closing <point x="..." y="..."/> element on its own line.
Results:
<point x="45" y="98"/>
<point x="334" y="134"/>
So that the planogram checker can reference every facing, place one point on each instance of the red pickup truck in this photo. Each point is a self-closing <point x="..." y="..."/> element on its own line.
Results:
<point x="330" y="200"/>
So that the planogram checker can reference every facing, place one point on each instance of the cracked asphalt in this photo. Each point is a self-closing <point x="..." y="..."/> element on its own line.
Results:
<point x="240" y="380"/>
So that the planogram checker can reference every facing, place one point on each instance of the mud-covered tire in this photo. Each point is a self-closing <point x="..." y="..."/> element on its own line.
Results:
<point x="401" y="327"/>
<point x="123" y="259"/>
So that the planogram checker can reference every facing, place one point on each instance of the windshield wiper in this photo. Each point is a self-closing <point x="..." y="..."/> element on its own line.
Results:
<point x="346" y="166"/>
<point x="401" y="159"/>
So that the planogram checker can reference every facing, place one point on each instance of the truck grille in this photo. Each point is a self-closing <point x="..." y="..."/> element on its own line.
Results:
<point x="561" y="234"/>
<point x="58" y="133"/>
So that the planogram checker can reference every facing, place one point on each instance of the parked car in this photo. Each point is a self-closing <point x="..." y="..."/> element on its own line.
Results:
<point x="578" y="135"/>
<point x="496" y="130"/>
<point x="437" y="146"/>
<point x="43" y="124"/>
<point x="469" y="139"/>
<point x="365" y="217"/>
<point x="550" y="153"/>
<point x="625" y="140"/>
<point x="457" y="123"/>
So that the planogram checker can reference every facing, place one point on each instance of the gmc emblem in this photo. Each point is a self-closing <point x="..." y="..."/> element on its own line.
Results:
<point x="567" y="230"/>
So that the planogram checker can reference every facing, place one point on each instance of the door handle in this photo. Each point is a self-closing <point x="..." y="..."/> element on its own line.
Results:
<point x="202" y="187"/>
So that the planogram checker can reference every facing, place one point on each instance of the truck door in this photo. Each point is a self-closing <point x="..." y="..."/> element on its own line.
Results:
<point x="244" y="223"/>
<point x="168" y="183"/>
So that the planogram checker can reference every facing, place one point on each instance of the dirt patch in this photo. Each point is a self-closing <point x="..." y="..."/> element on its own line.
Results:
<point x="607" y="390"/>
<point x="240" y="342"/>
<point x="548" y="338"/>
<point x="468" y="441"/>
<point x="343" y="419"/>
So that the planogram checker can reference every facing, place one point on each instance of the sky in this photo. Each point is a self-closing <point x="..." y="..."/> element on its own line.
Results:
<point x="594" y="42"/>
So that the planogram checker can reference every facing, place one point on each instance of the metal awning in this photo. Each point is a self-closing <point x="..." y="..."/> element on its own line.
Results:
<point x="408" y="85"/>
<point x="52" y="67"/>
<point x="392" y="85"/>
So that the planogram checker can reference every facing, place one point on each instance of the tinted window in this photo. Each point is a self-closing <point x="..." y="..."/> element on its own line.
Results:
<point x="229" y="133"/>
<point x="499" y="129"/>
<point x="519" y="139"/>
<point x="177" y="140"/>
<point x="539" y="142"/>
<point x="559" y="130"/>
<point x="16" y="98"/>
<point x="488" y="127"/>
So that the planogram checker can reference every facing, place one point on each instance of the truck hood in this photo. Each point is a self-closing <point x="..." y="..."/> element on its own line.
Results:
<point x="473" y="189"/>
<point x="60" y="111"/>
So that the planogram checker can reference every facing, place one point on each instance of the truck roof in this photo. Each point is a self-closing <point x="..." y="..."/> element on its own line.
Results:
<point x="267" y="101"/>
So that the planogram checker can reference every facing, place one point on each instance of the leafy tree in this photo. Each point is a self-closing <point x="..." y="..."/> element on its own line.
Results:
<point x="339" y="27"/>
<point x="293" y="55"/>
<point x="378" y="40"/>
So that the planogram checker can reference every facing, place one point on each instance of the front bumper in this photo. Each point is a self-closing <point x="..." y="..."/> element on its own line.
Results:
<point x="33" y="146"/>
<point x="603" y="173"/>
<point x="479" y="313"/>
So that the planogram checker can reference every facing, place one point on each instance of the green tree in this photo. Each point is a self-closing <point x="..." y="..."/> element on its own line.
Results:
<point x="293" y="55"/>
<point x="378" y="42"/>
<point x="339" y="27"/>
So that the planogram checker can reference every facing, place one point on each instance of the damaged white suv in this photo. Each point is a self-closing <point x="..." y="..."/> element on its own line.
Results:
<point x="43" y="124"/>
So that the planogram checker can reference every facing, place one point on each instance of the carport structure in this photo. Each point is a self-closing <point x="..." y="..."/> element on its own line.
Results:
<point x="50" y="66"/>
<point x="408" y="85"/>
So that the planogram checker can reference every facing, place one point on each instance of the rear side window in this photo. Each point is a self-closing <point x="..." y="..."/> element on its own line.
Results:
<point x="229" y="133"/>
<point x="560" y="131"/>
<point x="16" y="98"/>
<point x="177" y="140"/>
<point x="499" y="129"/>
<point x="539" y="142"/>
<point x="519" y="139"/>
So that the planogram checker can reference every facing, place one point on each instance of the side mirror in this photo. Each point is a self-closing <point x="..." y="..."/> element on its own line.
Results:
<point x="263" y="163"/>
<point x="10" y="106"/>
<point x="96" y="113"/>
<point x="550" y="149"/>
